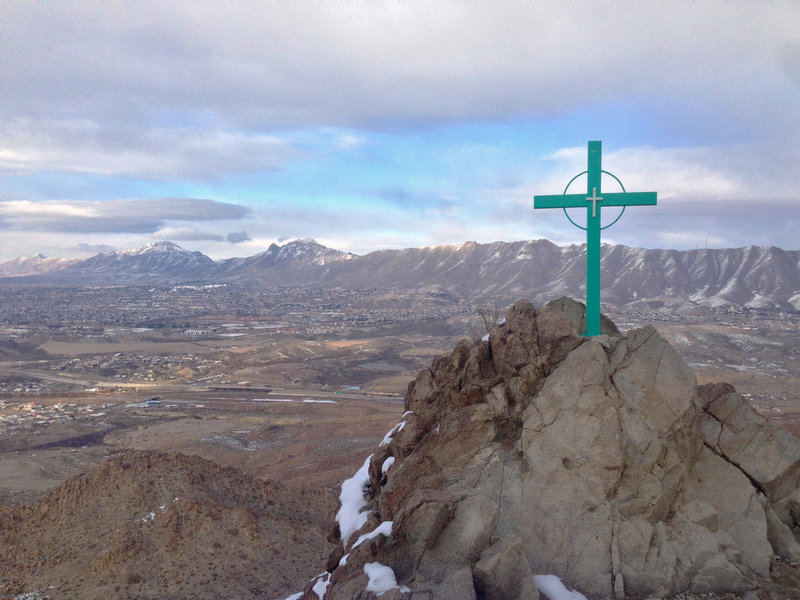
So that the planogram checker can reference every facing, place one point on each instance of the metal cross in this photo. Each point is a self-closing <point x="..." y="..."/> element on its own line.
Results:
<point x="593" y="225"/>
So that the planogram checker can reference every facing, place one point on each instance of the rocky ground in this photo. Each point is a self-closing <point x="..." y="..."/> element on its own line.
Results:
<point x="152" y="525"/>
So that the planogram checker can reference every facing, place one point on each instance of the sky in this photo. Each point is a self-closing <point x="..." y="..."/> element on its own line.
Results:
<point x="227" y="126"/>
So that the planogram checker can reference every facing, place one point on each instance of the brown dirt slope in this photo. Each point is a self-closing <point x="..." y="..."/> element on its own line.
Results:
<point x="163" y="525"/>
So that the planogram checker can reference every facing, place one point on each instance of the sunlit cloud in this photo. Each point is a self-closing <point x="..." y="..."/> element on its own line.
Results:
<point x="350" y="141"/>
<point x="188" y="234"/>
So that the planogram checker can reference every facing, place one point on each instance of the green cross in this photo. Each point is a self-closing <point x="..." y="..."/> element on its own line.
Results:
<point x="593" y="227"/>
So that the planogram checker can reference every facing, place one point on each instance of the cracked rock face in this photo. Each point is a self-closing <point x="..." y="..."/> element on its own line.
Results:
<point x="597" y="460"/>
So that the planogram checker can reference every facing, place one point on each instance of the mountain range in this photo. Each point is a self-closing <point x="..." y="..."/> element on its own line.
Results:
<point x="751" y="276"/>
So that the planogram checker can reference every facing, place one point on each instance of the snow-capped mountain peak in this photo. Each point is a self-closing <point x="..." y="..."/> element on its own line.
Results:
<point x="166" y="247"/>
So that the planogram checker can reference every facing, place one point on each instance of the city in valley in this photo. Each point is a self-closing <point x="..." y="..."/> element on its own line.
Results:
<point x="295" y="385"/>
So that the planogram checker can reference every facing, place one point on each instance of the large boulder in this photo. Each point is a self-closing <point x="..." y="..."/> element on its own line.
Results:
<point x="597" y="460"/>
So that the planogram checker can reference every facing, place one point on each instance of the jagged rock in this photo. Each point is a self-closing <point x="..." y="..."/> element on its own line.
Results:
<point x="503" y="572"/>
<point x="597" y="460"/>
<point x="576" y="313"/>
<point x="770" y="456"/>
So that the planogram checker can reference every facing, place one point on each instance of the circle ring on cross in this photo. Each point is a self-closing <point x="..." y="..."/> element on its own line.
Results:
<point x="619" y="216"/>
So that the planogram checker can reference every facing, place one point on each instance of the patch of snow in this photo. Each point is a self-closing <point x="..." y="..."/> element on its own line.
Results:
<point x="350" y="517"/>
<point x="551" y="586"/>
<point x="146" y="518"/>
<point x="222" y="440"/>
<point x="384" y="528"/>
<point x="259" y="445"/>
<point x="305" y="401"/>
<point x="322" y="585"/>
<point x="343" y="560"/>
<point x="273" y="400"/>
<point x="388" y="437"/>
<point x="33" y="595"/>
<point x="387" y="464"/>
<point x="163" y="507"/>
<point x="152" y="515"/>
<point x="296" y="596"/>
<point x="485" y="338"/>
<point x="381" y="579"/>
<point x="760" y="301"/>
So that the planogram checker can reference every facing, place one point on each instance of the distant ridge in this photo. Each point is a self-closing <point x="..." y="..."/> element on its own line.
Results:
<point x="753" y="276"/>
<point x="305" y="260"/>
<point x="33" y="265"/>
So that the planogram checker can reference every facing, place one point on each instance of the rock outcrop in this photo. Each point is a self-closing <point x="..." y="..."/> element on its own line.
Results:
<point x="598" y="460"/>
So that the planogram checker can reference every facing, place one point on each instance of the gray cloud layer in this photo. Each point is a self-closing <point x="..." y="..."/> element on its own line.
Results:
<point x="113" y="216"/>
<point x="297" y="64"/>
<point x="237" y="237"/>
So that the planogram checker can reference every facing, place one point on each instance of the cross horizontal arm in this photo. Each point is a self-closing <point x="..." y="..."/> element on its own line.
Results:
<point x="629" y="199"/>
<point x="560" y="201"/>
<point x="579" y="200"/>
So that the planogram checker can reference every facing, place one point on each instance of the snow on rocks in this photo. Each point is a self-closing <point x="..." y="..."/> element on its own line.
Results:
<point x="350" y="517"/>
<point x="388" y="437"/>
<point x="552" y="587"/>
<point x="384" y="528"/>
<point x="152" y="514"/>
<point x="387" y="464"/>
<point x="381" y="579"/>
<point x="395" y="430"/>
<point x="321" y="585"/>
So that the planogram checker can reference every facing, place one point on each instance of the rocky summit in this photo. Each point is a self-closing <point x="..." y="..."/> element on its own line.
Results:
<point x="596" y="460"/>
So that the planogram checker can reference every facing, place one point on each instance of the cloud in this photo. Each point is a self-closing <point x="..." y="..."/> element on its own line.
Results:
<point x="708" y="175"/>
<point x="187" y="234"/>
<point x="112" y="216"/>
<point x="84" y="248"/>
<point x="300" y="64"/>
<point x="147" y="151"/>
<point x="237" y="237"/>
<point x="349" y="141"/>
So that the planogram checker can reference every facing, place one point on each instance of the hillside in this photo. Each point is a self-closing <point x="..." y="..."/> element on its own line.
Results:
<point x="152" y="525"/>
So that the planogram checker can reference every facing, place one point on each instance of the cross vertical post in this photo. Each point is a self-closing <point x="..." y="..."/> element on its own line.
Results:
<point x="594" y="201"/>
<point x="594" y="173"/>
